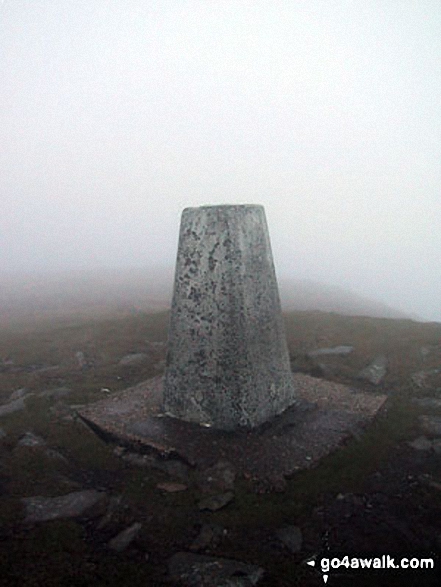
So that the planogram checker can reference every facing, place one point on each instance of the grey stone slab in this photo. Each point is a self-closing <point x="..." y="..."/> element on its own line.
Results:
<point x="71" y="505"/>
<point x="421" y="443"/>
<point x="375" y="371"/>
<point x="336" y="350"/>
<point x="18" y="393"/>
<point x="213" y="503"/>
<point x="14" y="406"/>
<point x="133" y="359"/>
<point x="197" y="570"/>
<point x="31" y="439"/>
<point x="227" y="362"/>
<point x="122" y="540"/>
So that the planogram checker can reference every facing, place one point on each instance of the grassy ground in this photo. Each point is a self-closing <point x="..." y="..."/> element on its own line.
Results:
<point x="74" y="552"/>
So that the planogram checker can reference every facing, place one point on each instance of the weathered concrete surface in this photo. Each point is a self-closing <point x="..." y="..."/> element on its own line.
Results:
<point x="227" y="362"/>
<point x="325" y="414"/>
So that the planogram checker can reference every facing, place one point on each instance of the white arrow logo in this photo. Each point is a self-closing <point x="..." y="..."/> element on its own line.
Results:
<point x="325" y="578"/>
<point x="311" y="563"/>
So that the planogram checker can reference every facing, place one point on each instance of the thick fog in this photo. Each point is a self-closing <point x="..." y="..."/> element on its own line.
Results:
<point x="117" y="114"/>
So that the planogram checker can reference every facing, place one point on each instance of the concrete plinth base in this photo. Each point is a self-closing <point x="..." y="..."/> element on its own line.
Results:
<point x="326" y="413"/>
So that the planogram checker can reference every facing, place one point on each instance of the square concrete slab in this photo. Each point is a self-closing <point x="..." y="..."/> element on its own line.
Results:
<point x="324" y="415"/>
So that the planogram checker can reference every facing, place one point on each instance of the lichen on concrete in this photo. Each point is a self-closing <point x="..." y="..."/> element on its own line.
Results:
<point x="227" y="364"/>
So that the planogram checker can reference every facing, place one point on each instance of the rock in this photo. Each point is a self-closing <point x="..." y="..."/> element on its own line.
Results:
<point x="427" y="402"/>
<point x="420" y="377"/>
<point x="220" y="476"/>
<point x="197" y="570"/>
<point x="431" y="425"/>
<point x="18" y="393"/>
<point x="122" y="540"/>
<point x="2" y="433"/>
<point x="421" y="443"/>
<point x="81" y="360"/>
<point x="71" y="505"/>
<point x="31" y="439"/>
<point x="132" y="359"/>
<point x="56" y="393"/>
<point x="209" y="535"/>
<point x="424" y="352"/>
<point x="171" y="487"/>
<point x="54" y="454"/>
<point x="216" y="502"/>
<point x="291" y="537"/>
<point x="13" y="406"/>
<point x="375" y="371"/>
<point x="336" y="350"/>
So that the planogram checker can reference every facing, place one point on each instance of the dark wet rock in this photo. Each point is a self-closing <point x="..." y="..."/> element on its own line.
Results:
<point x="170" y="487"/>
<point x="219" y="477"/>
<point x="18" y="393"/>
<point x="210" y="536"/>
<point x="427" y="402"/>
<point x="291" y="537"/>
<point x="71" y="505"/>
<point x="216" y="502"/>
<point x="132" y="359"/>
<point x="197" y="570"/>
<point x="31" y="439"/>
<point x="122" y="540"/>
<point x="431" y="425"/>
<point x="341" y="350"/>
<point x="14" y="406"/>
<point x="375" y="371"/>
<point x="56" y="393"/>
<point x="421" y="443"/>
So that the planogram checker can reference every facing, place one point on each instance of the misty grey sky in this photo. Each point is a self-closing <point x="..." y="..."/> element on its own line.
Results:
<point x="117" y="114"/>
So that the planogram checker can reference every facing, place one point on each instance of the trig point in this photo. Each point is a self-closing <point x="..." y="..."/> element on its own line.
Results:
<point x="227" y="363"/>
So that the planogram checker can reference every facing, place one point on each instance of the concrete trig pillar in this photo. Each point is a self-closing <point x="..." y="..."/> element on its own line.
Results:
<point x="227" y="363"/>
